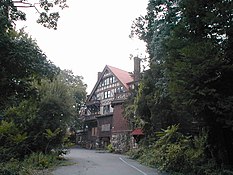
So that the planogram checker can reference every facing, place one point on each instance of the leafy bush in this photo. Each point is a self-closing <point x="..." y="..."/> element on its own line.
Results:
<point x="24" y="130"/>
<point x="12" y="141"/>
<point x="179" y="154"/>
<point x="41" y="160"/>
<point x="31" y="164"/>
<point x="10" y="168"/>
<point x="135" y="153"/>
<point x="110" y="148"/>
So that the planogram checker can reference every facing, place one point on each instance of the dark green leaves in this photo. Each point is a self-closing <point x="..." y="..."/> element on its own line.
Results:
<point x="21" y="63"/>
<point x="49" y="20"/>
<point x="191" y="74"/>
<point x="11" y="11"/>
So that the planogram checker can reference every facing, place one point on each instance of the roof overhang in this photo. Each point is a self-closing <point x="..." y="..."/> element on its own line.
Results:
<point x="137" y="132"/>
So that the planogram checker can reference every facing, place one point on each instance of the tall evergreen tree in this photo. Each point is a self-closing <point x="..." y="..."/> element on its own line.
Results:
<point x="192" y="41"/>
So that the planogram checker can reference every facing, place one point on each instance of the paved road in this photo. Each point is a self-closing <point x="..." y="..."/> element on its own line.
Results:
<point x="92" y="162"/>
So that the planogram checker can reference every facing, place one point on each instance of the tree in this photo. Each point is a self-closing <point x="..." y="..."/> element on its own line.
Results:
<point x="21" y="63"/>
<point x="201" y="70"/>
<point x="36" y="105"/>
<point x="9" y="12"/>
<point x="190" y="46"/>
<point x="76" y="86"/>
<point x="78" y="91"/>
<point x="44" y="120"/>
<point x="58" y="109"/>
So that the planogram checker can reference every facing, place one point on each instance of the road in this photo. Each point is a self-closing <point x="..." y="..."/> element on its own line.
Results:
<point x="92" y="162"/>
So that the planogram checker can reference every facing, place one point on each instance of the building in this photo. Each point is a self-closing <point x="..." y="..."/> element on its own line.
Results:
<point x="103" y="121"/>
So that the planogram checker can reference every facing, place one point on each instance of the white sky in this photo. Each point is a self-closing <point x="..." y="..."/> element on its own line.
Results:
<point x="90" y="35"/>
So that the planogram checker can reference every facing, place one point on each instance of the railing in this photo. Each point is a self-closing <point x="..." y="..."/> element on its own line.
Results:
<point x="89" y="117"/>
<point x="120" y="98"/>
<point x="93" y="102"/>
<point x="121" y="95"/>
<point x="105" y="114"/>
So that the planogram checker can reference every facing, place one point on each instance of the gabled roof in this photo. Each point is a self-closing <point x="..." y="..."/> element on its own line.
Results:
<point x="123" y="76"/>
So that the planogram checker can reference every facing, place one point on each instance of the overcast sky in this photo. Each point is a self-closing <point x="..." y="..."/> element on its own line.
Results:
<point x="90" y="35"/>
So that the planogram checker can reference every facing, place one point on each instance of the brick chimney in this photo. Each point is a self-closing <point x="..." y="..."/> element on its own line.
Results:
<point x="137" y="69"/>
<point x="98" y="75"/>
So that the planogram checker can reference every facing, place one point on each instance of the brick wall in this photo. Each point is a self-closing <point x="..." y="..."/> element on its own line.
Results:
<point x="103" y="123"/>
<point x="119" y="123"/>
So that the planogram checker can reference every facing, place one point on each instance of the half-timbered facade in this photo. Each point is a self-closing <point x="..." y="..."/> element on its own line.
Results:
<point x="103" y="119"/>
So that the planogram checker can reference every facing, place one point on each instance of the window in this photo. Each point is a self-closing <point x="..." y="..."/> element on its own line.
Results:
<point x="107" y="94"/>
<point x="113" y="79"/>
<point x="94" y="131"/>
<point x="119" y="89"/>
<point x="105" y="127"/>
<point x="131" y="86"/>
<point x="98" y="96"/>
<point x="106" y="109"/>
<point x="107" y="81"/>
<point x="110" y="80"/>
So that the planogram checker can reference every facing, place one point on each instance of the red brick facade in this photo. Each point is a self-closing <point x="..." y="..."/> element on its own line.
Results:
<point x="119" y="123"/>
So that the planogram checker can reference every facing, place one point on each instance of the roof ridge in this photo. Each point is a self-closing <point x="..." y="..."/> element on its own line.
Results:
<point x="116" y="68"/>
<point x="123" y="76"/>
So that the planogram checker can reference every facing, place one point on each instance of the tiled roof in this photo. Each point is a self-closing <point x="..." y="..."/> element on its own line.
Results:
<point x="137" y="131"/>
<point x="123" y="76"/>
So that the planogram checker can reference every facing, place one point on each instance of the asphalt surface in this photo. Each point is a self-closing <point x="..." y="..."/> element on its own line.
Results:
<point x="92" y="162"/>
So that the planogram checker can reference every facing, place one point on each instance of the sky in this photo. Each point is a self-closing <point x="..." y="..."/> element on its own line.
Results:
<point x="90" y="35"/>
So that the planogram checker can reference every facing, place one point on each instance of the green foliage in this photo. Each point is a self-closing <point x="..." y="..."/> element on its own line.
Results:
<point x="35" y="108"/>
<point x="40" y="124"/>
<point x="21" y="63"/>
<point x="12" y="141"/>
<point x="76" y="87"/>
<point x="189" y="43"/>
<point x="110" y="148"/>
<point x="51" y="136"/>
<point x="135" y="153"/>
<point x="12" y="11"/>
<point x="129" y="108"/>
<point x="33" y="164"/>
<point x="11" y="168"/>
<point x="179" y="154"/>
<point x="153" y="103"/>
<point x="41" y="161"/>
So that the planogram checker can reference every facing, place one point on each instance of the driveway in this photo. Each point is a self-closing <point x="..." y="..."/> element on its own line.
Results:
<point x="92" y="162"/>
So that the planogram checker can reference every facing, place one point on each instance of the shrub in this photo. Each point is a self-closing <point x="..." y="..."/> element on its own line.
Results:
<point x="30" y="165"/>
<point x="12" y="141"/>
<point x="135" y="153"/>
<point x="41" y="160"/>
<point x="10" y="168"/>
<point x="179" y="154"/>
<point x="110" y="148"/>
